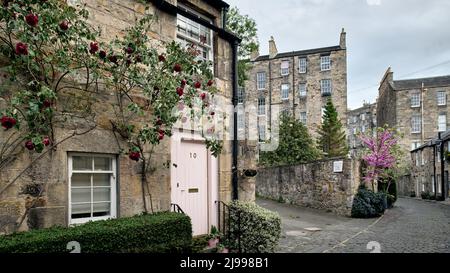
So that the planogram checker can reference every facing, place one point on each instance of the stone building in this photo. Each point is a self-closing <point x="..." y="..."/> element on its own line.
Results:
<point x="362" y="120"/>
<point x="418" y="108"/>
<point x="430" y="166"/>
<point x="299" y="83"/>
<point x="57" y="172"/>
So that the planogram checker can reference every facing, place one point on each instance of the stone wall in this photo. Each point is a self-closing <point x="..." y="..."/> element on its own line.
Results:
<point x="314" y="185"/>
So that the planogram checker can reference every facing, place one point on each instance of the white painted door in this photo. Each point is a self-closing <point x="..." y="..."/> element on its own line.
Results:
<point x="190" y="184"/>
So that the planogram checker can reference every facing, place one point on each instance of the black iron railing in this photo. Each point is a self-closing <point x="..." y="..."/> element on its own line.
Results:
<point x="176" y="208"/>
<point x="229" y="223"/>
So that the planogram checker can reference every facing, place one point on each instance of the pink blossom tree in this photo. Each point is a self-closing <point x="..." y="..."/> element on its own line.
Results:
<point x="382" y="156"/>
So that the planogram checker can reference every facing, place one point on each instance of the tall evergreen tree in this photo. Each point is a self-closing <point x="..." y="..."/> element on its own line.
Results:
<point x="295" y="145"/>
<point x="332" y="139"/>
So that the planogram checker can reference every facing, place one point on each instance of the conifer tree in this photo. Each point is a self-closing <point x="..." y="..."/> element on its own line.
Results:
<point x="332" y="139"/>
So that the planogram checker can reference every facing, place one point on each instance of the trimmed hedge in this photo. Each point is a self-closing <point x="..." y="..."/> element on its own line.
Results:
<point x="153" y="233"/>
<point x="368" y="204"/>
<point x="258" y="230"/>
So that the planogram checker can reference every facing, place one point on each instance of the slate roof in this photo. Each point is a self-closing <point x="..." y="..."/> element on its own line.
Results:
<point x="218" y="3"/>
<point x="417" y="83"/>
<point x="300" y="53"/>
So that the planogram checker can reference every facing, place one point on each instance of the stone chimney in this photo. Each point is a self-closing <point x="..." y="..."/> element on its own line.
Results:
<point x="273" y="51"/>
<point x="343" y="40"/>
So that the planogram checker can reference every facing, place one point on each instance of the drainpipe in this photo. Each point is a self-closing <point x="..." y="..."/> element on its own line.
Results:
<point x="294" y="87"/>
<point x="442" y="168"/>
<point x="234" y="170"/>
<point x="434" y="169"/>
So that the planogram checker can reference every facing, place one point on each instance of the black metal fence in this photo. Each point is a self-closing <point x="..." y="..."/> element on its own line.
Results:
<point x="229" y="224"/>
<point x="176" y="208"/>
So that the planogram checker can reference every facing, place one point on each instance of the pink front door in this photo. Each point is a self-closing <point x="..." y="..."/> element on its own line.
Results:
<point x="190" y="183"/>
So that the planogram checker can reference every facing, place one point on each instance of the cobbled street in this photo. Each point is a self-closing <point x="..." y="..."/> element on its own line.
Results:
<point x="412" y="226"/>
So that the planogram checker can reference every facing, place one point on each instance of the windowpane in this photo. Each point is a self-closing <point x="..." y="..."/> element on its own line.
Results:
<point x="81" y="211"/>
<point x="302" y="65"/>
<point x="325" y="87"/>
<point x="416" y="124"/>
<point x="303" y="117"/>
<point x="285" y="68"/>
<point x="241" y="92"/>
<point x="102" y="163"/>
<point x="415" y="100"/>
<point x="101" y="180"/>
<point x="82" y="195"/>
<point x="82" y="163"/>
<point x="81" y="180"/>
<point x="102" y="209"/>
<point x="442" y="98"/>
<point x="302" y="90"/>
<point x="325" y="63"/>
<point x="261" y="80"/>
<point x="442" y="123"/>
<point x="102" y="194"/>
<point x="262" y="133"/>
<point x="285" y="91"/>
<point x="261" y="106"/>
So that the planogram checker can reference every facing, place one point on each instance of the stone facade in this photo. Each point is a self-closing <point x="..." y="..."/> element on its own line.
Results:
<point x="301" y="70"/>
<point x="50" y="173"/>
<point x="314" y="185"/>
<point x="361" y="120"/>
<point x="418" y="108"/>
<point x="430" y="167"/>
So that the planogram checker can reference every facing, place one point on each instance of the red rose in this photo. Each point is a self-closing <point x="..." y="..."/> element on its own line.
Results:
<point x="64" y="25"/>
<point x="113" y="59"/>
<point x="197" y="84"/>
<point x="46" y="141"/>
<point x="159" y="122"/>
<point x="183" y="83"/>
<point x="161" y="134"/>
<point x="180" y="91"/>
<point x="102" y="54"/>
<point x="129" y="50"/>
<point x="210" y="82"/>
<point x="29" y="145"/>
<point x="93" y="47"/>
<point x="135" y="156"/>
<point x="21" y="49"/>
<point x="32" y="19"/>
<point x="47" y="103"/>
<point x="177" y="68"/>
<point x="8" y="122"/>
<point x="203" y="96"/>
<point x="161" y="58"/>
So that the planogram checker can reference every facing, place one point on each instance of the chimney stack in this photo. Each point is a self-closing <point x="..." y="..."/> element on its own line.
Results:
<point x="254" y="54"/>
<point x="272" y="48"/>
<point x="343" y="40"/>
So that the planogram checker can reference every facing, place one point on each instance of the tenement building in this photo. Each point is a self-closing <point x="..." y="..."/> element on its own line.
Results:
<point x="89" y="177"/>
<point x="298" y="83"/>
<point x="418" y="108"/>
<point x="360" y="121"/>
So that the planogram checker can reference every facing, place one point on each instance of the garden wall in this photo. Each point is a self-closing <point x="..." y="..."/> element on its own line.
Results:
<point x="321" y="185"/>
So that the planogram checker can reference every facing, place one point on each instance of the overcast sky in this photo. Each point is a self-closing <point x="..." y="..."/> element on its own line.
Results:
<point x="411" y="36"/>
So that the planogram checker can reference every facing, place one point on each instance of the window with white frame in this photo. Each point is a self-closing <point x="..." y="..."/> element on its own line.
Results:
<point x="262" y="132"/>
<point x="363" y="129"/>
<point x="240" y="120"/>
<point x="416" y="124"/>
<point x="285" y="91"/>
<point x="241" y="94"/>
<point x="442" y="123"/>
<point x="415" y="100"/>
<point x="423" y="183"/>
<point x="417" y="159"/>
<point x="355" y="131"/>
<point x="363" y="116"/>
<point x="92" y="187"/>
<point x="322" y="111"/>
<point x="261" y="80"/>
<point x="325" y="63"/>
<point x="303" y="117"/>
<point x="261" y="106"/>
<point x="441" y="98"/>
<point x="422" y="157"/>
<point x="302" y="90"/>
<point x="303" y="64"/>
<point x="325" y="87"/>
<point x="439" y="186"/>
<point x="415" y="145"/>
<point x="284" y="68"/>
<point x="193" y="34"/>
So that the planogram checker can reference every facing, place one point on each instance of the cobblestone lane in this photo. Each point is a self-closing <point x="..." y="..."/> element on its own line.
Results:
<point x="412" y="226"/>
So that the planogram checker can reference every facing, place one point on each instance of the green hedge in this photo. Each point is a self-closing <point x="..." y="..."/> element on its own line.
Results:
<point x="368" y="204"/>
<point x="259" y="229"/>
<point x="152" y="233"/>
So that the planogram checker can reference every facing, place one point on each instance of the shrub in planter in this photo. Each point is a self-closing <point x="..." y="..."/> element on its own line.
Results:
<point x="368" y="204"/>
<point x="257" y="228"/>
<point x="152" y="233"/>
